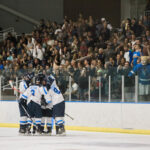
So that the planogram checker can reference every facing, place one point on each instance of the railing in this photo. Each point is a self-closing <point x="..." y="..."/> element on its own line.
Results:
<point x="3" y="33"/>
<point x="86" y="87"/>
<point x="147" y="13"/>
<point x="19" y="14"/>
<point x="10" y="29"/>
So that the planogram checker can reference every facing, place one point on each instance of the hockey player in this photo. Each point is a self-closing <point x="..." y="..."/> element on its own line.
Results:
<point x="143" y="72"/>
<point x="46" y="109"/>
<point x="24" y="84"/>
<point x="58" y="105"/>
<point x="34" y="94"/>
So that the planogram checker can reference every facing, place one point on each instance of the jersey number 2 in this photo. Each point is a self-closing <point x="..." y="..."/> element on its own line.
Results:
<point x="33" y="92"/>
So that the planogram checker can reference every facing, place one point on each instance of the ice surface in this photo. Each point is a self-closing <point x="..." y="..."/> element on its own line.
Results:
<point x="75" y="140"/>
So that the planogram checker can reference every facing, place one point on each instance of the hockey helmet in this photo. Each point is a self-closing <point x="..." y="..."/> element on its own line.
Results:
<point x="50" y="80"/>
<point x="25" y="76"/>
<point x="28" y="76"/>
<point x="41" y="76"/>
<point x="37" y="80"/>
<point x="44" y="81"/>
<point x="31" y="75"/>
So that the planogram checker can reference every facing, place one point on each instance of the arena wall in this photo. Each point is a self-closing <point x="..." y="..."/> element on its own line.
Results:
<point x="103" y="117"/>
<point x="36" y="9"/>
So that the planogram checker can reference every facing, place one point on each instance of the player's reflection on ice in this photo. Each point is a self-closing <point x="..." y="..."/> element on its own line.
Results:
<point x="74" y="140"/>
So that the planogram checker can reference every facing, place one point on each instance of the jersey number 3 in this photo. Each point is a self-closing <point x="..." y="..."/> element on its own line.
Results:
<point x="33" y="92"/>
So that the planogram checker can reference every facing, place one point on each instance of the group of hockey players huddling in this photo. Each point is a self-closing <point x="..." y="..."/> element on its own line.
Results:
<point x="38" y="104"/>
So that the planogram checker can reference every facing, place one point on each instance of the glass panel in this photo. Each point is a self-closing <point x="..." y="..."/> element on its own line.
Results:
<point x="7" y="92"/>
<point x="144" y="84"/>
<point x="105" y="87"/>
<point x="129" y="89"/>
<point x="94" y="88"/>
<point x="93" y="84"/>
<point x="79" y="85"/>
<point x="116" y="87"/>
<point x="62" y="79"/>
<point x="74" y="90"/>
<point x="82" y="80"/>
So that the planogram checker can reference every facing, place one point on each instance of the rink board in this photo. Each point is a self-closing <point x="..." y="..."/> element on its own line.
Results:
<point x="97" y="117"/>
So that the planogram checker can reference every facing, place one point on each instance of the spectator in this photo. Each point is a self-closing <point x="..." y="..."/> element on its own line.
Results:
<point x="136" y="54"/>
<point x="78" y="48"/>
<point x="83" y="84"/>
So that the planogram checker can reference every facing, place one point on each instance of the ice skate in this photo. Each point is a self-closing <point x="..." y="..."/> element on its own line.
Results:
<point x="60" y="130"/>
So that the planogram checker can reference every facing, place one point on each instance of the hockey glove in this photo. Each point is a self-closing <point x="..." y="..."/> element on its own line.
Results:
<point x="48" y="86"/>
<point x="43" y="101"/>
<point x="22" y="101"/>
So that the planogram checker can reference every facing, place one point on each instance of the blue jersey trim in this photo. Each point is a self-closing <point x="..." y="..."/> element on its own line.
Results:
<point x="29" y="121"/>
<point x="23" y="121"/>
<point x="48" y="102"/>
<point x="24" y="96"/>
<point x="49" y="124"/>
<point x="25" y="86"/>
<point x="60" y="122"/>
<point x="37" y="121"/>
<point x="45" y="91"/>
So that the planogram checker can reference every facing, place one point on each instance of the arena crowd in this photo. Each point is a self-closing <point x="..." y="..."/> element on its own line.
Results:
<point x="81" y="48"/>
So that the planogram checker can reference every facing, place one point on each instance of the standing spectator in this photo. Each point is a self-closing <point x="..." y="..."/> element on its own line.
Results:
<point x="147" y="34"/>
<point x="109" y="52"/>
<point x="136" y="54"/>
<point x="101" y="55"/>
<point x="139" y="29"/>
<point x="105" y="32"/>
<point x="133" y="25"/>
<point x="38" y="52"/>
<point x="83" y="84"/>
<point x="126" y="53"/>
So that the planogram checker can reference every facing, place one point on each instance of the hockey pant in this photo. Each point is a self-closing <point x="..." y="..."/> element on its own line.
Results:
<point x="35" y="111"/>
<point x="23" y="115"/>
<point x="58" y="113"/>
<point x="46" y="118"/>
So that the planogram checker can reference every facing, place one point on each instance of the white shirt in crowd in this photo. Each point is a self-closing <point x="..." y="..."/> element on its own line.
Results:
<point x="38" y="53"/>
<point x="30" y="45"/>
<point x="50" y="42"/>
<point x="74" y="87"/>
<point x="126" y="56"/>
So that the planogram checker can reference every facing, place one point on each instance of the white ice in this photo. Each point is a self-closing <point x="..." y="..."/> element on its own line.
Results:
<point x="74" y="140"/>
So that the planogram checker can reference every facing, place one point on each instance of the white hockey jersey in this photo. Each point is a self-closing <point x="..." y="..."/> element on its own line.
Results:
<point x="22" y="87"/>
<point x="34" y="93"/>
<point x="46" y="96"/>
<point x="55" y="93"/>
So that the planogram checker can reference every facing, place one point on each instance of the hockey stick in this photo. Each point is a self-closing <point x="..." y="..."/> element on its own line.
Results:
<point x="11" y="84"/>
<point x="27" y="113"/>
<point x="69" y="116"/>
